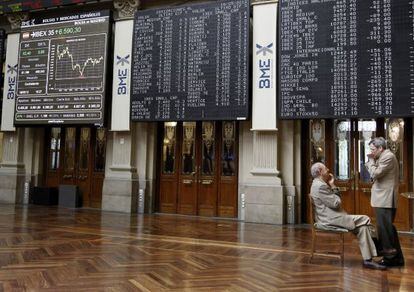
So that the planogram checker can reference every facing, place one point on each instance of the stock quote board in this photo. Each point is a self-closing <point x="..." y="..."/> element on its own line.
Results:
<point x="191" y="62"/>
<point x="61" y="70"/>
<point x="346" y="58"/>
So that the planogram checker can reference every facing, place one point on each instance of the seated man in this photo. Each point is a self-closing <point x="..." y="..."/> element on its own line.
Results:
<point x="328" y="211"/>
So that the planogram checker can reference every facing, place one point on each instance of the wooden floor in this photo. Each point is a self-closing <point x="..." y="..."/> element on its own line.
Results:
<point x="52" y="249"/>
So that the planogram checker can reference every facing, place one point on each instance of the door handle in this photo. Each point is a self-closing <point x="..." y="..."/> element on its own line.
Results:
<point x="66" y="176"/>
<point x="206" y="181"/>
<point x="342" y="189"/>
<point x="187" y="181"/>
<point x="366" y="190"/>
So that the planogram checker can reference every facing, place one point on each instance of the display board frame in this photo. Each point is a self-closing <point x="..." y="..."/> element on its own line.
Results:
<point x="231" y="103"/>
<point x="361" y="52"/>
<point x="62" y="69"/>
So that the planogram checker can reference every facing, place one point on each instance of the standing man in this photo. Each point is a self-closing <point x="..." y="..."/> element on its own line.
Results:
<point x="328" y="211"/>
<point x="383" y="168"/>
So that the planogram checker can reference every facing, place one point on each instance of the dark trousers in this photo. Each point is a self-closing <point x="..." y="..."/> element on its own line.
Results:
<point x="387" y="234"/>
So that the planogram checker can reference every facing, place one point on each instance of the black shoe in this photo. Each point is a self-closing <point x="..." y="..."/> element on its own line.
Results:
<point x="392" y="263"/>
<point x="370" y="264"/>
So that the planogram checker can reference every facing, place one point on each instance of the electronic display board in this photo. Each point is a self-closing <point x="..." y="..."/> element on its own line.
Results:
<point x="346" y="58"/>
<point x="191" y="62"/>
<point x="61" y="70"/>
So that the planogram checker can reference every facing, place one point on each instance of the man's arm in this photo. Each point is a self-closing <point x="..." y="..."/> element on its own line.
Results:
<point x="380" y="167"/>
<point x="329" y="197"/>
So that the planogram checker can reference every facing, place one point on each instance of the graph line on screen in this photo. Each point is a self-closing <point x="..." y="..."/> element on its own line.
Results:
<point x="63" y="51"/>
<point x="77" y="63"/>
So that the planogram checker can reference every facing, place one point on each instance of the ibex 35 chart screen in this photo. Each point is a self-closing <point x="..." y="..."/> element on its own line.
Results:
<point x="61" y="77"/>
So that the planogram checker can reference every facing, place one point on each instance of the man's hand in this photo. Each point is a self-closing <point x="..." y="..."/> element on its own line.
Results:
<point x="370" y="156"/>
<point x="331" y="180"/>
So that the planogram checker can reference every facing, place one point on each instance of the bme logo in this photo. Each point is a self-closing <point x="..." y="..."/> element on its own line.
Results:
<point x="265" y="65"/>
<point x="122" y="74"/>
<point x="11" y="81"/>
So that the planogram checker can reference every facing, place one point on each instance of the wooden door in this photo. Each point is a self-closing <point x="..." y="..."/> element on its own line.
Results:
<point x="168" y="174"/>
<point x="189" y="170"/>
<point x="198" y="169"/>
<point x="344" y="162"/>
<point x="343" y="146"/>
<point x="207" y="182"/>
<point x="53" y="156"/>
<point x="228" y="172"/>
<point x="396" y="132"/>
<point x="98" y="166"/>
<point x="77" y="160"/>
<point x="398" y="135"/>
<point x="76" y="156"/>
<point x="366" y="131"/>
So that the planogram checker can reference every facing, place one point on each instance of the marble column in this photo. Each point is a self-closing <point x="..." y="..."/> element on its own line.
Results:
<point x="261" y="197"/>
<point x="12" y="170"/>
<point x="290" y="166"/>
<point x="146" y="168"/>
<point x="120" y="188"/>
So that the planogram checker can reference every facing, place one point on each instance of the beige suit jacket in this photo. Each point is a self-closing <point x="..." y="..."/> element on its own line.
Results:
<point x="385" y="174"/>
<point x="327" y="204"/>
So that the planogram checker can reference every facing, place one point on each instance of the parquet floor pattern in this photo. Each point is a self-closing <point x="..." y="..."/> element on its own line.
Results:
<point x="55" y="249"/>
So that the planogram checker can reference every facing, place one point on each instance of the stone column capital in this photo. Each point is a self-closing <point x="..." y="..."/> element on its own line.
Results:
<point x="125" y="9"/>
<point x="16" y="20"/>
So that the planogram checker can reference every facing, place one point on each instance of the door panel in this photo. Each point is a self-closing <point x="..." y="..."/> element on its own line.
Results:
<point x="168" y="174"/>
<point x="346" y="155"/>
<point x="83" y="171"/>
<point x="344" y="163"/>
<point x="54" y="159"/>
<point x="187" y="186"/>
<point x="69" y="153"/>
<point x="227" y="200"/>
<point x="98" y="169"/>
<point x="397" y="142"/>
<point x="207" y="183"/>
<point x="367" y="130"/>
<point x="203" y="181"/>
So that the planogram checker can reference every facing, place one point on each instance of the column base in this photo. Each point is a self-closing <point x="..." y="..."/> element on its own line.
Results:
<point x="120" y="195"/>
<point x="263" y="204"/>
<point x="12" y="186"/>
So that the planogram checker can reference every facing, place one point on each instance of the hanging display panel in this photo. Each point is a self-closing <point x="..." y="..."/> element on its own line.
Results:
<point x="346" y="58"/>
<point x="61" y="70"/>
<point x="191" y="62"/>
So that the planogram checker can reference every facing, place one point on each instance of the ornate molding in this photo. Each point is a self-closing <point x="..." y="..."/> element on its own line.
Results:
<point x="264" y="153"/>
<point x="126" y="8"/>
<point x="16" y="19"/>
